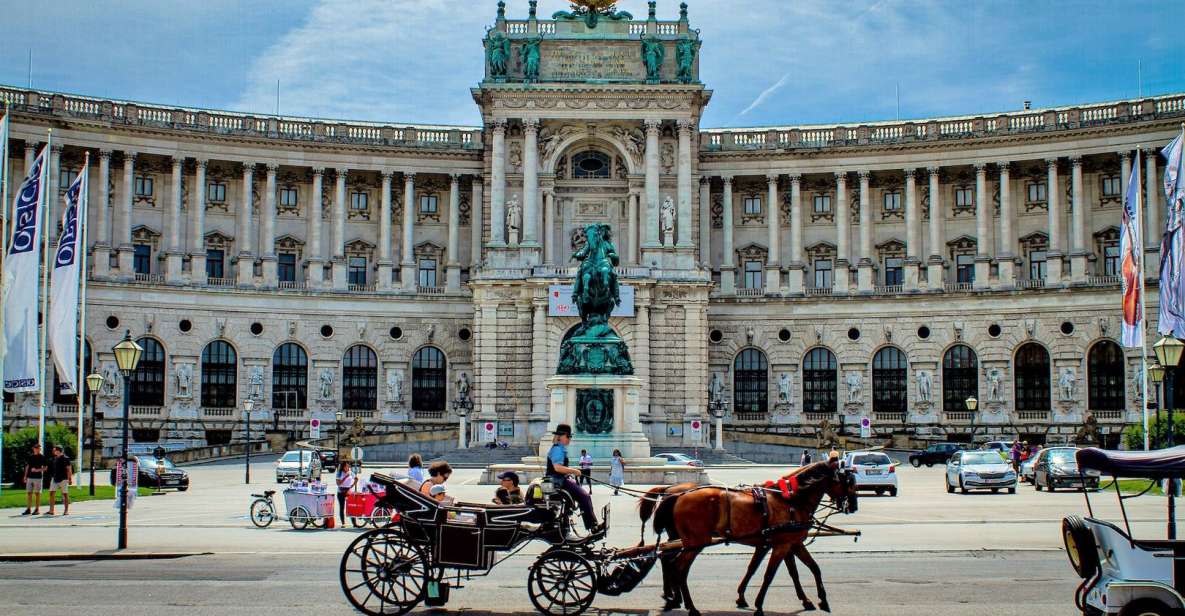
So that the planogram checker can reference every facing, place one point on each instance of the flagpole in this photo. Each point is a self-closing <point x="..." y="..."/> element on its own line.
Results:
<point x="44" y="305"/>
<point x="4" y="169"/>
<point x="1139" y="216"/>
<point x="83" y="206"/>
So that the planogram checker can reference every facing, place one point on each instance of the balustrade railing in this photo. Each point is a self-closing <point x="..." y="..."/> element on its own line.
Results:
<point x="146" y="411"/>
<point x="959" y="415"/>
<point x="754" y="292"/>
<point x="815" y="417"/>
<point x="220" y="282"/>
<point x="218" y="411"/>
<point x="956" y="287"/>
<point x="428" y="414"/>
<point x="750" y="416"/>
<point x="1108" y="415"/>
<point x="293" y="286"/>
<point x="1037" y="283"/>
<point x="1032" y="415"/>
<point x="889" y="289"/>
<point x="150" y="278"/>
<point x="818" y="290"/>
<point x="430" y="290"/>
<point x="363" y="413"/>
<point x="1104" y="281"/>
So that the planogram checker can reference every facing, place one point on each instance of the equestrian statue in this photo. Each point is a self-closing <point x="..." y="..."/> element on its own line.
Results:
<point x="593" y="347"/>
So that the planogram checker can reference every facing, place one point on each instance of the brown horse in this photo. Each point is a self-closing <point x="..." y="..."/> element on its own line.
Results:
<point x="670" y="591"/>
<point x="705" y="515"/>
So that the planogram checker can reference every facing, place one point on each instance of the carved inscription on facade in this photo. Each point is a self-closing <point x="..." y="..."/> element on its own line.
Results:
<point x="581" y="62"/>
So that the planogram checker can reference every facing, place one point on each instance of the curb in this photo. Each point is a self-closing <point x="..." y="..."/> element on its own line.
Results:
<point x="60" y="556"/>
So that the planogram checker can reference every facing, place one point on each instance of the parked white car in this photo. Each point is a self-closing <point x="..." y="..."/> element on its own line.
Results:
<point x="298" y="464"/>
<point x="873" y="470"/>
<point x="979" y="470"/>
<point x="679" y="458"/>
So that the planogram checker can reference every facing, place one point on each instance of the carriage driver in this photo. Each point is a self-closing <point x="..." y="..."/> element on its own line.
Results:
<point x="563" y="476"/>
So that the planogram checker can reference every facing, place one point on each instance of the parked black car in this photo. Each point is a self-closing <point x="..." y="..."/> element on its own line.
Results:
<point x="938" y="453"/>
<point x="328" y="458"/>
<point x="1056" y="467"/>
<point x="159" y="473"/>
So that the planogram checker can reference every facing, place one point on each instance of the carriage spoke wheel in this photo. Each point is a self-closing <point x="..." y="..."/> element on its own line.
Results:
<point x="383" y="574"/>
<point x="562" y="583"/>
<point x="262" y="513"/>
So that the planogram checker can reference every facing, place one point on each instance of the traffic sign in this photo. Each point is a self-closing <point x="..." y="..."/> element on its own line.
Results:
<point x="489" y="431"/>
<point x="356" y="454"/>
<point x="865" y="427"/>
<point x="697" y="429"/>
<point x="314" y="428"/>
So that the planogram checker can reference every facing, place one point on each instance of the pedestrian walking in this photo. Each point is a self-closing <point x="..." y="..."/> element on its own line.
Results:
<point x="345" y="480"/>
<point x="61" y="476"/>
<point x="415" y="470"/>
<point x="34" y="469"/>
<point x="586" y="469"/>
<point x="1014" y="455"/>
<point x="617" y="472"/>
<point x="806" y="458"/>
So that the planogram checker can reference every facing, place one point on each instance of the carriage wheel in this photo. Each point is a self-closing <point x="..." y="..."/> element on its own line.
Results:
<point x="380" y="517"/>
<point x="562" y="583"/>
<point x="299" y="518"/>
<point x="262" y="513"/>
<point x="383" y="574"/>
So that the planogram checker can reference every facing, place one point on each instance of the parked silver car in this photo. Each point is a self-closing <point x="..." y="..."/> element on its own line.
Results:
<point x="297" y="464"/>
<point x="985" y="469"/>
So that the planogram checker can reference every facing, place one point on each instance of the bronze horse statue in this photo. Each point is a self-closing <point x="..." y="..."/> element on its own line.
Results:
<point x="595" y="291"/>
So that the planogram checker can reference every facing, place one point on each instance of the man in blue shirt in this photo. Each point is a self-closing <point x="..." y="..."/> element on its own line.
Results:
<point x="562" y="476"/>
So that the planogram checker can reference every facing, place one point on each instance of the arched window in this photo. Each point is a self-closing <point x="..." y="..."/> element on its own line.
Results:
<point x="70" y="399"/>
<point x="1032" y="378"/>
<point x="148" y="380"/>
<point x="360" y="379"/>
<point x="290" y="377"/>
<point x="960" y="377"/>
<point x="750" y="382"/>
<point x="591" y="165"/>
<point x="220" y="375"/>
<point x="1105" y="374"/>
<point x="428" y="380"/>
<point x="819" y="382"/>
<point x="889" y="367"/>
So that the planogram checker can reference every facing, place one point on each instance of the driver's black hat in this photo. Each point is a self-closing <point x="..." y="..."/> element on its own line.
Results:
<point x="563" y="430"/>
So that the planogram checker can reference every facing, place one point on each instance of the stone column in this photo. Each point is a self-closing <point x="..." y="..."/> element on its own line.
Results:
<point x="315" y="257"/>
<point x="1078" y="251"/>
<point x="246" y="260"/>
<point x="705" y="222"/>
<point x="52" y="189"/>
<point x="30" y="154"/>
<point x="173" y="257"/>
<point x="934" y="269"/>
<point x="652" y="186"/>
<point x="267" y="248"/>
<point x="983" y="217"/>
<point x="773" y="261"/>
<point x="338" y="260"/>
<point x="407" y="268"/>
<point x="549" y="225"/>
<point x="866" y="272"/>
<point x="498" y="187"/>
<point x="453" y="260"/>
<point x="1006" y="258"/>
<point x="476" y="224"/>
<point x="913" y="234"/>
<point x="843" y="224"/>
<point x="728" y="279"/>
<point x="797" y="261"/>
<point x="102" y="218"/>
<point x="530" y="183"/>
<point x="683" y="220"/>
<point x="1053" y="198"/>
<point x="384" y="281"/>
<point x="1154" y="227"/>
<point x="634" y="205"/>
<point x="124" y="236"/>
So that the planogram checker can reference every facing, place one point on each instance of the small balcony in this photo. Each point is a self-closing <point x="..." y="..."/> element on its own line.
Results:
<point x="1103" y="281"/>
<point x="220" y="282"/>
<point x="1032" y="415"/>
<point x="958" y="416"/>
<point x="755" y="292"/>
<point x="146" y="411"/>
<point x="1108" y="416"/>
<point x="150" y="278"/>
<point x="293" y="286"/>
<point x="889" y="417"/>
<point x="1037" y="283"/>
<point x="889" y="289"/>
<point x="816" y="291"/>
<point x="436" y="415"/>
<point x="363" y="413"/>
<point x="813" y="417"/>
<point x="360" y="288"/>
<point x="750" y="416"/>
<point x="219" y="412"/>
<point x="958" y="287"/>
<point x="429" y="290"/>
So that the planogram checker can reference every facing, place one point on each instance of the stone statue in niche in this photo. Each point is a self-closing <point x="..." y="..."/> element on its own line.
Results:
<point x="667" y="156"/>
<point x="515" y="157"/>
<point x="925" y="384"/>
<point x="463" y="387"/>
<point x="716" y="387"/>
<point x="257" y="383"/>
<point x="184" y="381"/>
<point x="111" y="381"/>
<point x="666" y="216"/>
<point x="394" y="386"/>
<point x="854" y="381"/>
<point x="995" y="385"/>
<point x="1065" y="384"/>
<point x="514" y="219"/>
<point x="784" y="387"/>
<point x="326" y="381"/>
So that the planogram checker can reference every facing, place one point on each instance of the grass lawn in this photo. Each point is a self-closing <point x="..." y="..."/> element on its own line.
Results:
<point x="1132" y="486"/>
<point x="12" y="497"/>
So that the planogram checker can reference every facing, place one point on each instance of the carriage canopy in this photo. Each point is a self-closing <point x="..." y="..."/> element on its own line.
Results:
<point x="1160" y="464"/>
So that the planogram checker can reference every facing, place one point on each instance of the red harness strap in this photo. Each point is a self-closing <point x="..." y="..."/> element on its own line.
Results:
<point x="787" y="485"/>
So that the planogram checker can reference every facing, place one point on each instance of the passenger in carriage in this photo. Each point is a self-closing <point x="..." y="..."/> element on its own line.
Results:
<point x="508" y="492"/>
<point x="438" y="473"/>
<point x="563" y="476"/>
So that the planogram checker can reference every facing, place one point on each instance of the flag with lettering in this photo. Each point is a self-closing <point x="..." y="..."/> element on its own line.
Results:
<point x="63" y="287"/>
<point x="1172" y="246"/>
<point x="20" y="281"/>
<point x="1131" y="266"/>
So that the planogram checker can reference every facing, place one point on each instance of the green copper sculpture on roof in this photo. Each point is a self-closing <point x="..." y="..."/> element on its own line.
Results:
<point x="591" y="11"/>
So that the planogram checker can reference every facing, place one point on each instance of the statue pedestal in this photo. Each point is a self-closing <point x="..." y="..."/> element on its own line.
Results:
<point x="624" y="431"/>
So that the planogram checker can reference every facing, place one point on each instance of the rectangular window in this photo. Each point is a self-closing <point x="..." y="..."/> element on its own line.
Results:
<point x="66" y="178"/>
<point x="964" y="197"/>
<point x="752" y="275"/>
<point x="427" y="273"/>
<point x="822" y="273"/>
<point x="822" y="204"/>
<point x="894" y="271"/>
<point x="286" y="267"/>
<point x="1036" y="192"/>
<point x="142" y="259"/>
<point x="752" y="206"/>
<point x="215" y="263"/>
<point x="1036" y="265"/>
<point x="288" y="197"/>
<point x="1111" y="259"/>
<point x="216" y="192"/>
<point x="428" y="204"/>
<point x="357" y="271"/>
<point x="143" y="186"/>
<point x="892" y="201"/>
<point x="358" y="201"/>
<point x="1111" y="186"/>
<point x="965" y="269"/>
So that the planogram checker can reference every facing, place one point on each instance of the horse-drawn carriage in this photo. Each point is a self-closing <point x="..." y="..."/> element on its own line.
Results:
<point x="391" y="570"/>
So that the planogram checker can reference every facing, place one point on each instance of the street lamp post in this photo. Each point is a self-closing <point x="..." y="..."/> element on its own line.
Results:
<point x="972" y="404"/>
<point x="337" y="432"/>
<point x="248" y="404"/>
<point x="1168" y="353"/>
<point x="94" y="382"/>
<point x="461" y="406"/>
<point x="1156" y="373"/>
<point x="127" y="357"/>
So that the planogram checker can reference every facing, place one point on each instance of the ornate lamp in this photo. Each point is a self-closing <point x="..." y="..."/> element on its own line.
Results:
<point x="127" y="354"/>
<point x="972" y="404"/>
<point x="1168" y="351"/>
<point x="94" y="382"/>
<point x="1156" y="373"/>
<point x="127" y="357"/>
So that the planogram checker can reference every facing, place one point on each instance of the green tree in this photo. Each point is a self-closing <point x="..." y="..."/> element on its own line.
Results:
<point x="18" y="445"/>
<point x="1158" y="430"/>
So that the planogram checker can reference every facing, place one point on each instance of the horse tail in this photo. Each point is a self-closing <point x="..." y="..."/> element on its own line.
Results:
<point x="664" y="516"/>
<point x="646" y="506"/>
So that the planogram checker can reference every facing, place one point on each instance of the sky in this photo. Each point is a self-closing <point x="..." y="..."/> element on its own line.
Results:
<point x="769" y="62"/>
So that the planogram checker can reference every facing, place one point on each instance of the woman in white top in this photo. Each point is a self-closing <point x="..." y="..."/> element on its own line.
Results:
<point x="345" y="480"/>
<point x="617" y="471"/>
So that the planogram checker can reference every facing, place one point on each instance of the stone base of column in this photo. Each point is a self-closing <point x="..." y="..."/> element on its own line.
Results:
<point x="983" y="272"/>
<point x="912" y="274"/>
<point x="197" y="269"/>
<point x="407" y="275"/>
<point x="842" y="283"/>
<point x="795" y="278"/>
<point x="865" y="277"/>
<point x="271" y="274"/>
<point x="384" y="281"/>
<point x="452" y="279"/>
<point x="728" y="280"/>
<point x="1078" y="264"/>
<point x="1054" y="269"/>
<point x="935" y="274"/>
<point x="1006" y="277"/>
<point x="339" y="282"/>
<point x="127" y="270"/>
<point x="245" y="270"/>
<point x="101" y="262"/>
<point x="173" y="268"/>
<point x="773" y="279"/>
<point x="315" y="274"/>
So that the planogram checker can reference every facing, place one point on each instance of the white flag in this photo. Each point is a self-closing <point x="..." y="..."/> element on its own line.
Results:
<point x="63" y="288"/>
<point x="20" y="281"/>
